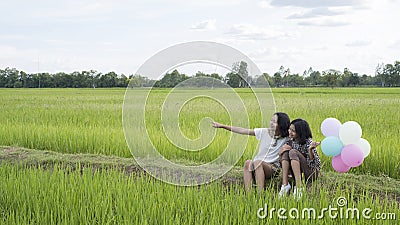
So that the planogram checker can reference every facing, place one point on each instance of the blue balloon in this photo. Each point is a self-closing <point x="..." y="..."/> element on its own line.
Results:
<point x="331" y="146"/>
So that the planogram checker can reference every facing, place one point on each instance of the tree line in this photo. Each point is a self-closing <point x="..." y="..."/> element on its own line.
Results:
<point x="386" y="75"/>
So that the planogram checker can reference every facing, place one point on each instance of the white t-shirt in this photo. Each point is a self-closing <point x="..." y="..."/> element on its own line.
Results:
<point x="267" y="152"/>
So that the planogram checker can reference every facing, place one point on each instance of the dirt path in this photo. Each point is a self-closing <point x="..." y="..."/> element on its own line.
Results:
<point x="379" y="186"/>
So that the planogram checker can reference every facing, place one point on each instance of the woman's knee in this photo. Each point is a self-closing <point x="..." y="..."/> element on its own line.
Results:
<point x="257" y="165"/>
<point x="284" y="156"/>
<point x="247" y="165"/>
<point x="293" y="154"/>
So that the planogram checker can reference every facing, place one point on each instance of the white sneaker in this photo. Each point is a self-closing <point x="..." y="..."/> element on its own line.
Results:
<point x="284" y="190"/>
<point x="297" y="193"/>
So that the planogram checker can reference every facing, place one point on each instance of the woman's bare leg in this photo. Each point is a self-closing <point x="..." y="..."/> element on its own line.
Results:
<point x="285" y="172"/>
<point x="262" y="171"/>
<point x="296" y="172"/>
<point x="296" y="161"/>
<point x="259" y="175"/>
<point x="268" y="170"/>
<point x="247" y="175"/>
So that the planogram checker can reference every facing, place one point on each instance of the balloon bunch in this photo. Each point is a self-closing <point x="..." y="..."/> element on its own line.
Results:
<point x="344" y="143"/>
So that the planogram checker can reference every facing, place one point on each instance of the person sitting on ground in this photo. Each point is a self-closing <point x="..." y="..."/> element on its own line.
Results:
<point x="266" y="163"/>
<point x="299" y="155"/>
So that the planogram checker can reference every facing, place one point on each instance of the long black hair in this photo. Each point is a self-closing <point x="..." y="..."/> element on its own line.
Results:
<point x="283" y="123"/>
<point x="303" y="130"/>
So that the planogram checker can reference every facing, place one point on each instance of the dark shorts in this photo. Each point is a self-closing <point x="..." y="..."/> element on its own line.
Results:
<point x="310" y="174"/>
<point x="275" y="166"/>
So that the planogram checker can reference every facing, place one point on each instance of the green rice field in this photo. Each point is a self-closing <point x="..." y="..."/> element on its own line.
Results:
<point x="89" y="121"/>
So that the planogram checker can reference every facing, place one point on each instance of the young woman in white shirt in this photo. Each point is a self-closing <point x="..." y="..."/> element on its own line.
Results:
<point x="266" y="163"/>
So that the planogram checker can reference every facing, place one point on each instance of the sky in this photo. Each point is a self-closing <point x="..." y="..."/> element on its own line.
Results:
<point x="104" y="35"/>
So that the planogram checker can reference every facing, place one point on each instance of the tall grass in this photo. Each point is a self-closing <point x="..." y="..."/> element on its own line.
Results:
<point x="36" y="196"/>
<point x="89" y="121"/>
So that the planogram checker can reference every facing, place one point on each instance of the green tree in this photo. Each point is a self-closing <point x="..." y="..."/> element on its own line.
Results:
<point x="240" y="68"/>
<point x="294" y="80"/>
<point x="330" y="77"/>
<point x="354" y="79"/>
<point x="396" y="75"/>
<point x="381" y="75"/>
<point x="264" y="80"/>
<point x="284" y="73"/>
<point x="45" y="80"/>
<point x="171" y="80"/>
<point x="315" y="78"/>
<point x="277" y="79"/>
<point x="348" y="78"/>
<point x="391" y="72"/>
<point x="136" y="81"/>
<point x="204" y="80"/>
<point x="233" y="80"/>
<point x="11" y="78"/>
<point x="216" y="76"/>
<point x="108" y="80"/>
<point x="306" y="75"/>
<point x="3" y="79"/>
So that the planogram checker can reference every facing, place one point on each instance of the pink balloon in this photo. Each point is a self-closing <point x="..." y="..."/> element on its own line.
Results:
<point x="352" y="155"/>
<point x="330" y="127"/>
<point x="339" y="165"/>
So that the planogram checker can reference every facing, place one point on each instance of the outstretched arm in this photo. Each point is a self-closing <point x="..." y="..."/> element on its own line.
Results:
<point x="238" y="130"/>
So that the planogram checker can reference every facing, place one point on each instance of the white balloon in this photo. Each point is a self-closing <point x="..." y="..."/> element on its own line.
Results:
<point x="350" y="132"/>
<point x="364" y="146"/>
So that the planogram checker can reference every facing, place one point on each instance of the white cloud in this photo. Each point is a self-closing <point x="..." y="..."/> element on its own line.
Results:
<point x="395" y="45"/>
<point x="324" y="23"/>
<point x="316" y="12"/>
<point x="8" y="51"/>
<point x="321" y="48"/>
<point x="205" y="25"/>
<point x="233" y="42"/>
<point x="358" y="43"/>
<point x="74" y="11"/>
<point x="265" y="4"/>
<point x="275" y="53"/>
<point x="253" y="32"/>
<point x="104" y="35"/>
<point x="271" y="58"/>
<point x="317" y="3"/>
<point x="11" y="37"/>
